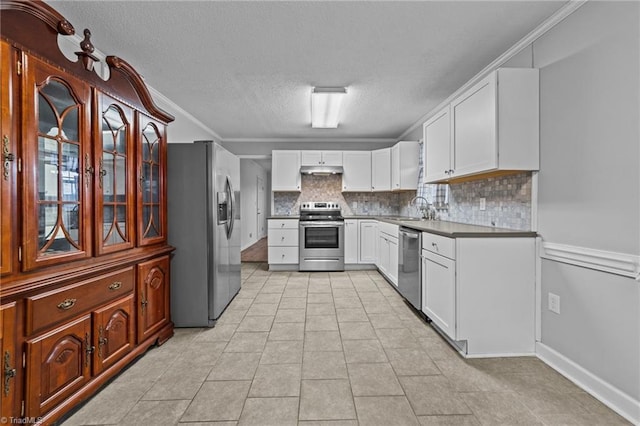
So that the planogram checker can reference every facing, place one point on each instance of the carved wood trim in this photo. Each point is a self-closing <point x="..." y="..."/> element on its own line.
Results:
<point x="138" y="84"/>
<point x="41" y="11"/>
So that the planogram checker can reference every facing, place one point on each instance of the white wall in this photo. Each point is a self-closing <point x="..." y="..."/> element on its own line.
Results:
<point x="589" y="193"/>
<point x="252" y="231"/>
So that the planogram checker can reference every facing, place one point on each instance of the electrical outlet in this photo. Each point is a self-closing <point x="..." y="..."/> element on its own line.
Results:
<point x="554" y="303"/>
<point x="483" y="203"/>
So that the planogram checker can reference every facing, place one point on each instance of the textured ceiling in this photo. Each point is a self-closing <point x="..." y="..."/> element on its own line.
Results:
<point x="246" y="68"/>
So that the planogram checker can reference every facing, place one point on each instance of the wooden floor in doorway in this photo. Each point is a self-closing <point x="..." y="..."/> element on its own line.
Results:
<point x="256" y="253"/>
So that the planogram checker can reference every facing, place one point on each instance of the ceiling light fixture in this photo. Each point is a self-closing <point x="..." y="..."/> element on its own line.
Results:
<point x="325" y="106"/>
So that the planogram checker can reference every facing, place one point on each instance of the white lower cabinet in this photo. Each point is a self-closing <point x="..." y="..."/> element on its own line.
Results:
<point x="387" y="260"/>
<point x="480" y="292"/>
<point x="367" y="241"/>
<point x="282" y="241"/>
<point x="439" y="296"/>
<point x="360" y="241"/>
<point x="351" y="241"/>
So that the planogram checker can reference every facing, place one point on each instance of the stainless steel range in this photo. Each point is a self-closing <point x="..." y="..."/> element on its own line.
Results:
<point x="321" y="237"/>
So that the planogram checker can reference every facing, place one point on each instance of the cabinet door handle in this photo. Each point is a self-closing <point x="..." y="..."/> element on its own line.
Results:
<point x="66" y="304"/>
<point x="9" y="373"/>
<point x="115" y="285"/>
<point x="446" y="172"/>
<point x="7" y="157"/>
<point x="144" y="303"/>
<point x="88" y="170"/>
<point x="101" y="173"/>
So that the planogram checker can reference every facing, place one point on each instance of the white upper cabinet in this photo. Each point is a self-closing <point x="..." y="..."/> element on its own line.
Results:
<point x="321" y="158"/>
<point x="437" y="146"/>
<point x="404" y="165"/>
<point x="494" y="126"/>
<point x="285" y="170"/>
<point x="357" y="171"/>
<point x="381" y="170"/>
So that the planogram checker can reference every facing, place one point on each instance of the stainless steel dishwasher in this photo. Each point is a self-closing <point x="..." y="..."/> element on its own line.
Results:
<point x="409" y="266"/>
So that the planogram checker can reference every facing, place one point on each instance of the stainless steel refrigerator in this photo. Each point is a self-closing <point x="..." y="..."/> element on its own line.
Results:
<point x="203" y="182"/>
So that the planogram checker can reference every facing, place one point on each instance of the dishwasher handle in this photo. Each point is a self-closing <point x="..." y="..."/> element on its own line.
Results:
<point x="412" y="235"/>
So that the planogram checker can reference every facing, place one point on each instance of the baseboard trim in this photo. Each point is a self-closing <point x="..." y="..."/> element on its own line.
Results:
<point x="612" y="397"/>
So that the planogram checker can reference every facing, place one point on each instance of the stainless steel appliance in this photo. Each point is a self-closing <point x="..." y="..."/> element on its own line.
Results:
<point x="203" y="180"/>
<point x="409" y="266"/>
<point x="321" y="237"/>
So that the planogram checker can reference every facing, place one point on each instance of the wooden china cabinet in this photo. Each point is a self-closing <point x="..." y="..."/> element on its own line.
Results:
<point x="84" y="260"/>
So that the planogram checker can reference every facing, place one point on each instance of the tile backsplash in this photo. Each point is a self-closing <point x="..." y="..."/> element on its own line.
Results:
<point x="329" y="188"/>
<point x="508" y="201"/>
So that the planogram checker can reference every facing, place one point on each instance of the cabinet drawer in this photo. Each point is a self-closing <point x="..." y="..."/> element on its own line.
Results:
<point x="283" y="237"/>
<point x="52" y="307"/>
<point x="389" y="229"/>
<point x="443" y="246"/>
<point x="283" y="224"/>
<point x="284" y="255"/>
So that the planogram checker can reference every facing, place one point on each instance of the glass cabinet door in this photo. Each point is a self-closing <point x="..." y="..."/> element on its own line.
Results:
<point x="58" y="168"/>
<point x="151" y="215"/>
<point x="114" y="176"/>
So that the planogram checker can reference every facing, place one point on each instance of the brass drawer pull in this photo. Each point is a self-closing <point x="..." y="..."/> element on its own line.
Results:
<point x="115" y="285"/>
<point x="66" y="304"/>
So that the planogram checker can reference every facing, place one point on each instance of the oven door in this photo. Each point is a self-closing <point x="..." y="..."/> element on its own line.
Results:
<point x="321" y="243"/>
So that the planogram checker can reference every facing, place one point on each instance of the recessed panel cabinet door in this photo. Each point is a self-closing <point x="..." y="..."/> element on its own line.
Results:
<point x="475" y="145"/>
<point x="151" y="187"/>
<point x="115" y="175"/>
<point x="437" y="147"/>
<point x="11" y="372"/>
<point x="58" y="364"/>
<point x="58" y="168"/>
<point x="153" y="296"/>
<point x="439" y="291"/>
<point x="8" y="129"/>
<point x="114" y="334"/>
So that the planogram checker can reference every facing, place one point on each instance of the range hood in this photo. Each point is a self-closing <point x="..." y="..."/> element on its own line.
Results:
<point x="321" y="170"/>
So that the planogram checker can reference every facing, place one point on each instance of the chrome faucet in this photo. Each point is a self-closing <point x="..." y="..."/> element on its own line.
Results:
<point x="428" y="211"/>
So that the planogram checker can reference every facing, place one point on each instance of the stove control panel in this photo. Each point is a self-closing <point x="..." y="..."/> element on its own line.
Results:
<point x="317" y="205"/>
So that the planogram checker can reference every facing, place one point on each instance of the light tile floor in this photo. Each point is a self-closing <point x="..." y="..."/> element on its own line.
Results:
<point x="309" y="348"/>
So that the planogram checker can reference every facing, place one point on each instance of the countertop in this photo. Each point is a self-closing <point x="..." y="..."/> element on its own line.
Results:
<point x="441" y="227"/>
<point x="450" y="229"/>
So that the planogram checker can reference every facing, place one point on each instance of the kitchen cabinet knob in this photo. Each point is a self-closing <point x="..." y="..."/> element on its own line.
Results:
<point x="282" y="239"/>
<point x="446" y="172"/>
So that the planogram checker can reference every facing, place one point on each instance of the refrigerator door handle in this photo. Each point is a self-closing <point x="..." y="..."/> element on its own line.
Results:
<point x="231" y="206"/>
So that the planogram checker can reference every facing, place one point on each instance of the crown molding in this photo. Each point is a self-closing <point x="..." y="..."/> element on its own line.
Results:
<point x="524" y="42"/>
<point x="174" y="106"/>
